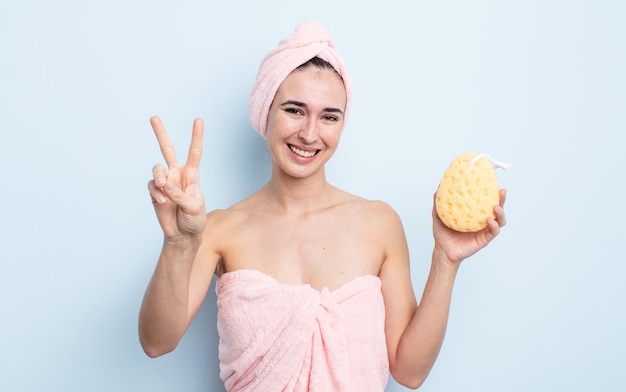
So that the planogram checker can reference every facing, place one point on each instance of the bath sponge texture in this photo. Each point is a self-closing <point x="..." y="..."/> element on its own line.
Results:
<point x="467" y="193"/>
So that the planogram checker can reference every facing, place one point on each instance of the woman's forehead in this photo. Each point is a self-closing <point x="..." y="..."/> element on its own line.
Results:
<point x="313" y="84"/>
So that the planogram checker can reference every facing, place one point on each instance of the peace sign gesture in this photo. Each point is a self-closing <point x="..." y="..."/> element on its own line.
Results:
<point x="175" y="191"/>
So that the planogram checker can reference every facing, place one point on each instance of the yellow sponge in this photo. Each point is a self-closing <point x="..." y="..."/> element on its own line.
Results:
<point x="468" y="192"/>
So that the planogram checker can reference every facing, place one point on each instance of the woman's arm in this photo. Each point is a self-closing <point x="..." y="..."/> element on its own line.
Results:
<point x="175" y="293"/>
<point x="186" y="264"/>
<point x="415" y="333"/>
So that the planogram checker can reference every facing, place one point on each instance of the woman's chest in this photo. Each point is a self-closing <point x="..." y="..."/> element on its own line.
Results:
<point x="322" y="253"/>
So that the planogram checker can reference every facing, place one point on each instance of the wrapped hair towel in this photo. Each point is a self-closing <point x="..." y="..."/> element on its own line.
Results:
<point x="309" y="39"/>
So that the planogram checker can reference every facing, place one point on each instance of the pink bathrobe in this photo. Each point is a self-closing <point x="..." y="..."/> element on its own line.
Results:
<point x="282" y="337"/>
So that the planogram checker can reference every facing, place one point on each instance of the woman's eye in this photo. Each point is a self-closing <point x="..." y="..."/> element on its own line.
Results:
<point x="293" y="110"/>
<point x="329" y="117"/>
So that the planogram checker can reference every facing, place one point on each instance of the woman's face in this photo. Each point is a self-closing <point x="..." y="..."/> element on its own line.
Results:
<point x="305" y="120"/>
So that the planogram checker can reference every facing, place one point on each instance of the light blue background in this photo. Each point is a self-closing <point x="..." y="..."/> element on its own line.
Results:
<point x="539" y="84"/>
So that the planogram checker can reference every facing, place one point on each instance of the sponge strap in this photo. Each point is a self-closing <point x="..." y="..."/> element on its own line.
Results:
<point x="495" y="164"/>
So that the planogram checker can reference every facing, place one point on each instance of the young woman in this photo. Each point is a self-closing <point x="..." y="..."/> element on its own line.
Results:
<point x="314" y="289"/>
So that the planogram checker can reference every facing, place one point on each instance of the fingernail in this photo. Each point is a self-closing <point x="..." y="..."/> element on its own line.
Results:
<point x="160" y="181"/>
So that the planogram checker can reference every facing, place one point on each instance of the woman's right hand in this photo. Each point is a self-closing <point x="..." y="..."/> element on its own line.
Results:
<point x="175" y="191"/>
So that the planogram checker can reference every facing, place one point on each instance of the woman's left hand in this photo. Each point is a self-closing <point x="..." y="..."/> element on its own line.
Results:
<point x="457" y="246"/>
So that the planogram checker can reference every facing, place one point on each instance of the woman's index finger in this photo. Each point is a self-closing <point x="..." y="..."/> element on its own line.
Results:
<point x="195" y="150"/>
<point x="167" y="149"/>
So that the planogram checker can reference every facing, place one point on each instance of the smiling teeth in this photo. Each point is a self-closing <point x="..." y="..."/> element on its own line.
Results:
<point x="302" y="153"/>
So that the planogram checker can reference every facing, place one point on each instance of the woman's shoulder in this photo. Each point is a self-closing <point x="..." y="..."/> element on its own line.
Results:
<point x="236" y="212"/>
<point x="239" y="214"/>
<point x="361" y="201"/>
<point x="369" y="208"/>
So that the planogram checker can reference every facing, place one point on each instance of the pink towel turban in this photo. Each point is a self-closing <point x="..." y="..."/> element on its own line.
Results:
<point x="309" y="39"/>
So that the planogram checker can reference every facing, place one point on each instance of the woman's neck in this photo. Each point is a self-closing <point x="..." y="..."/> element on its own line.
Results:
<point x="299" y="195"/>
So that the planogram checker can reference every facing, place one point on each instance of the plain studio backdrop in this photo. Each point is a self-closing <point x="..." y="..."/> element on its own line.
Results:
<point x="538" y="84"/>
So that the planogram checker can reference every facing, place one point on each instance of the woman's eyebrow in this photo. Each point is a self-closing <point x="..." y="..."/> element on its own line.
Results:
<point x="333" y="110"/>
<point x="304" y="105"/>
<point x="292" y="102"/>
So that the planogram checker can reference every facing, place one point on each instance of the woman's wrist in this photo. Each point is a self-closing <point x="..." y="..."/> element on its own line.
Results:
<point x="441" y="260"/>
<point x="182" y="243"/>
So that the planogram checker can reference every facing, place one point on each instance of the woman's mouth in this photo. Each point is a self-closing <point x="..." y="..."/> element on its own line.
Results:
<point x="302" y="153"/>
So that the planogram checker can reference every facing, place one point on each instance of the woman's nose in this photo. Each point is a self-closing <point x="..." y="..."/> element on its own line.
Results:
<point x="308" y="132"/>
